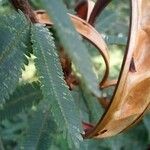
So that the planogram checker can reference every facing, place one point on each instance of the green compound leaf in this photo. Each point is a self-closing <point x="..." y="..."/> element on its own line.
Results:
<point x="39" y="130"/>
<point x="23" y="97"/>
<point x="14" y="43"/>
<point x="54" y="88"/>
<point x="72" y="43"/>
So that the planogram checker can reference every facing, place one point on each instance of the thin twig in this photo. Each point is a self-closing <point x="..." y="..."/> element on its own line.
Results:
<point x="98" y="8"/>
<point x="81" y="8"/>
<point x="25" y="7"/>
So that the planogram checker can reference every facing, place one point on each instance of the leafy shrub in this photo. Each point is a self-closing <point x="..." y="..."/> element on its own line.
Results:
<point x="41" y="113"/>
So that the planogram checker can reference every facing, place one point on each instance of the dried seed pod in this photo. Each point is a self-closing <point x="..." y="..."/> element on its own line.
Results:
<point x="131" y="98"/>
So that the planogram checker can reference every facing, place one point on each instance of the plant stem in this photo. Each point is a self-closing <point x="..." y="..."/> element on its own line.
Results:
<point x="1" y="144"/>
<point x="98" y="8"/>
<point x="25" y="7"/>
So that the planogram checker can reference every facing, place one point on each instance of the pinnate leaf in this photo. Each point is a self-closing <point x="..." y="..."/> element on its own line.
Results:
<point x="54" y="88"/>
<point x="14" y="41"/>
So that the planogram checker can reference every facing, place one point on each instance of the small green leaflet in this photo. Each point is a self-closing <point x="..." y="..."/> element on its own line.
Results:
<point x="23" y="97"/>
<point x="14" y="41"/>
<point x="39" y="131"/>
<point x="53" y="86"/>
<point x="72" y="43"/>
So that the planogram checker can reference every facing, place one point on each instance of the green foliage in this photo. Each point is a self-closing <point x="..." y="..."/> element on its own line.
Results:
<point x="114" y="22"/>
<point x="116" y="40"/>
<point x="14" y="41"/>
<point x="1" y="145"/>
<point x="146" y="121"/>
<point x="71" y="42"/>
<point x="45" y="115"/>
<point x="38" y="133"/>
<point x="95" y="110"/>
<point x="24" y="97"/>
<point x="53" y="85"/>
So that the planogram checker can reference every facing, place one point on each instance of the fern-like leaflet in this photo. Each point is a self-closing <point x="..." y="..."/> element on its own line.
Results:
<point x="72" y="43"/>
<point x="54" y="88"/>
<point x="14" y="41"/>
<point x="25" y="96"/>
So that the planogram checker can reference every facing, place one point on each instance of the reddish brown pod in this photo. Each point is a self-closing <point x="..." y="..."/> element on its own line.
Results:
<point x="84" y="9"/>
<point x="131" y="98"/>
